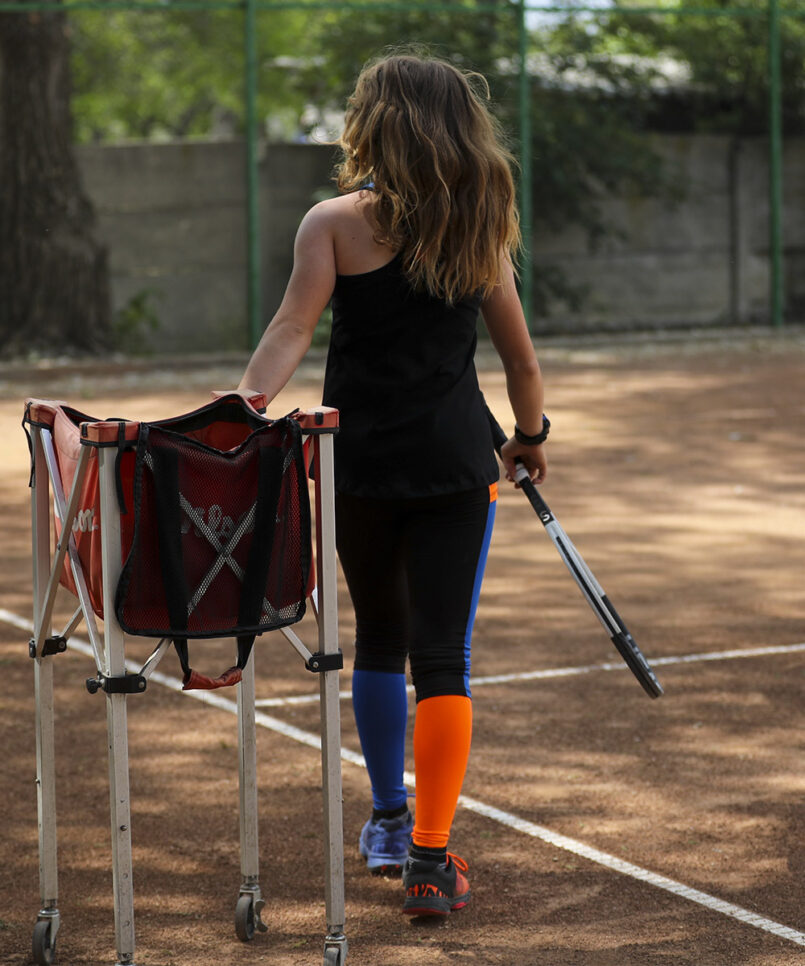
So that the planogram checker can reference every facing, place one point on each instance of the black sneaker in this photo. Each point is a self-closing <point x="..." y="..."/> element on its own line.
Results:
<point x="435" y="888"/>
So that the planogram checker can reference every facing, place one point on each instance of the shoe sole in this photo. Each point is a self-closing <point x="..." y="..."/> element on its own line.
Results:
<point x="387" y="868"/>
<point x="384" y="865"/>
<point x="380" y="864"/>
<point x="434" y="905"/>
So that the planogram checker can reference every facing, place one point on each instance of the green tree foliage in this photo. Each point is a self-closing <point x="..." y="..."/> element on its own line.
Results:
<point x="727" y="87"/>
<point x="478" y="36"/>
<point x="176" y="73"/>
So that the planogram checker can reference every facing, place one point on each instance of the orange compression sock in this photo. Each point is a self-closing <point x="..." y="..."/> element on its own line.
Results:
<point x="442" y="736"/>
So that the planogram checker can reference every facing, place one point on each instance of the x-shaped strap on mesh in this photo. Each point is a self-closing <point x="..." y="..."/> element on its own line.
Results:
<point x="224" y="552"/>
<point x="193" y="680"/>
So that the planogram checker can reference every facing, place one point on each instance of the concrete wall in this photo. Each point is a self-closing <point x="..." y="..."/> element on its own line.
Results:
<point x="174" y="216"/>
<point x="701" y="260"/>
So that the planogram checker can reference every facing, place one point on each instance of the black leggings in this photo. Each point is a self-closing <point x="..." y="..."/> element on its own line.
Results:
<point x="414" y="569"/>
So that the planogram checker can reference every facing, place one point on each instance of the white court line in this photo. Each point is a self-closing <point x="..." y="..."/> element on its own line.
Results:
<point x="507" y="819"/>
<point x="563" y="672"/>
<point x="634" y="871"/>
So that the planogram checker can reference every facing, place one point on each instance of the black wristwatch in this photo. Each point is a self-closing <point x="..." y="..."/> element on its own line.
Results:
<point x="521" y="437"/>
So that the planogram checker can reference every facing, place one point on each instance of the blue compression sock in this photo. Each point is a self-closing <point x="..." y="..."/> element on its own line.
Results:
<point x="380" y="704"/>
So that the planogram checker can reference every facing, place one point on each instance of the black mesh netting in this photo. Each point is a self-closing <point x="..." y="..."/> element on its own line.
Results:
<point x="222" y="527"/>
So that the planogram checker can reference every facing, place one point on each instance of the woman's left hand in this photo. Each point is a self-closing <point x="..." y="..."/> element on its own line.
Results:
<point x="533" y="459"/>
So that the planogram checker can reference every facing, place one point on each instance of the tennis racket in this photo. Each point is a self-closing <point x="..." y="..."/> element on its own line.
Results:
<point x="584" y="577"/>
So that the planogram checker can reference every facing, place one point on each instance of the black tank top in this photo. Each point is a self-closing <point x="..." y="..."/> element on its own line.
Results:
<point x="401" y="370"/>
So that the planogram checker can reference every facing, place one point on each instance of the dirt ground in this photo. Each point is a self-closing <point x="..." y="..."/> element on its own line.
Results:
<point x="677" y="468"/>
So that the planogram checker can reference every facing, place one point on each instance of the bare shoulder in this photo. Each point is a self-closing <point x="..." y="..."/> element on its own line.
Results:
<point x="321" y="225"/>
<point x="336" y="212"/>
<point x="317" y="219"/>
<point x="328" y="219"/>
<point x="346" y="225"/>
<point x="348" y="221"/>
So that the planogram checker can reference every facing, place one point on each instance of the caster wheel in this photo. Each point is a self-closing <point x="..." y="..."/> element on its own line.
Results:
<point x="43" y="949"/>
<point x="244" y="919"/>
<point x="332" y="956"/>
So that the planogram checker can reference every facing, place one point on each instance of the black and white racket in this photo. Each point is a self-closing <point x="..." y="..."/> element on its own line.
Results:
<point x="584" y="577"/>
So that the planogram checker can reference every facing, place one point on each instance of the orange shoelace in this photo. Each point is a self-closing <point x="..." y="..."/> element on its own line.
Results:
<point x="459" y="863"/>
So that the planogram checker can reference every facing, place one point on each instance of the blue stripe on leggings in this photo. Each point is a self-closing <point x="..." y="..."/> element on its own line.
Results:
<point x="380" y="703"/>
<point x="476" y="592"/>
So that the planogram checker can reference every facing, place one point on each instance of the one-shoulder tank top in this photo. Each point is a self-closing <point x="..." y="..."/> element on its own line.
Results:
<point x="401" y="370"/>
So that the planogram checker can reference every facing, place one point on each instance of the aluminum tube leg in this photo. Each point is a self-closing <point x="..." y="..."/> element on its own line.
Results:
<point x="329" y="698"/>
<point x="67" y="514"/>
<point x="116" y="722"/>
<point x="247" y="773"/>
<point x="67" y="518"/>
<point x="43" y="685"/>
<point x="45" y="781"/>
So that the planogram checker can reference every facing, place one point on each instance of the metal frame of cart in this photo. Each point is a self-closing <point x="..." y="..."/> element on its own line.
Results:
<point x="108" y="646"/>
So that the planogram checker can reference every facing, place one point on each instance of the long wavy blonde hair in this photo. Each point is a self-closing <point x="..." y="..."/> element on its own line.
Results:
<point x="420" y="131"/>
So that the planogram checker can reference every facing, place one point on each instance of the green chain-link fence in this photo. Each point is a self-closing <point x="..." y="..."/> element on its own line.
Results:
<point x="522" y="17"/>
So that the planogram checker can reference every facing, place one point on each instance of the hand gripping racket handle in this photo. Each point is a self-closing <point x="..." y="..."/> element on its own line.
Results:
<point x="584" y="577"/>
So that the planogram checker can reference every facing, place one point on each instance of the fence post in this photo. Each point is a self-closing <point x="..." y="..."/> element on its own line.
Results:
<point x="254" y="307"/>
<point x="527" y="288"/>
<point x="775" y="167"/>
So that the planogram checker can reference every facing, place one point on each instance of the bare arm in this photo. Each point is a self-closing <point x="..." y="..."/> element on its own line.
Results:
<point x="290" y="332"/>
<point x="503" y="315"/>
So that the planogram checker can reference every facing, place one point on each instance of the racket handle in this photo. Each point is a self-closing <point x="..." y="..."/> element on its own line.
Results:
<point x="521" y="476"/>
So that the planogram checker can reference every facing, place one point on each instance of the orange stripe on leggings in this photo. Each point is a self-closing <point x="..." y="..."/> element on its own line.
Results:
<point x="442" y="737"/>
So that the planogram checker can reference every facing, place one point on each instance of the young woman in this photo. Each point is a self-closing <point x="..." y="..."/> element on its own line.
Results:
<point x="420" y="241"/>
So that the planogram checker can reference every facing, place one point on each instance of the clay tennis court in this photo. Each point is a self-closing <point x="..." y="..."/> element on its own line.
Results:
<point x="602" y="828"/>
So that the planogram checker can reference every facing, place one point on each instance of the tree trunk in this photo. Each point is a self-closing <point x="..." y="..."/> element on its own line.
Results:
<point x="54" y="283"/>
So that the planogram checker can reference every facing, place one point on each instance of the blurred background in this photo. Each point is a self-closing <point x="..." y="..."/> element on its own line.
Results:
<point x="157" y="157"/>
